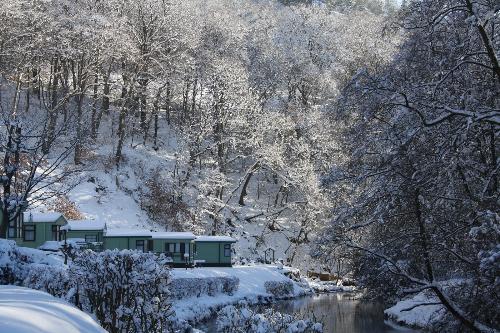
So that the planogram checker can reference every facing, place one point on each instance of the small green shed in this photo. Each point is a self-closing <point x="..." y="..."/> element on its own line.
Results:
<point x="89" y="232"/>
<point x="32" y="229"/>
<point x="213" y="250"/>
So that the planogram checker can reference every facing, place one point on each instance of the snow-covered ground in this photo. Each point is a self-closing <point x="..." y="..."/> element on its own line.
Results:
<point x="252" y="281"/>
<point x="329" y="286"/>
<point x="24" y="310"/>
<point x="415" y="312"/>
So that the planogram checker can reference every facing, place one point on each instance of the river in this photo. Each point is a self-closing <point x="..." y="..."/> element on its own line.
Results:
<point x="339" y="312"/>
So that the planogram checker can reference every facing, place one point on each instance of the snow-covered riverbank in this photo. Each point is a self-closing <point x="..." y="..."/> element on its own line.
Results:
<point x="419" y="311"/>
<point x="251" y="287"/>
<point x="196" y="293"/>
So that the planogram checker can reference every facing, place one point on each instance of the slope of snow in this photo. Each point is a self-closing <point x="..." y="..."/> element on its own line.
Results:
<point x="84" y="225"/>
<point x="173" y="235"/>
<point x="127" y="232"/>
<point x="111" y="205"/>
<point x="37" y="217"/>
<point x="215" y="239"/>
<point x="24" y="310"/>
<point x="252" y="278"/>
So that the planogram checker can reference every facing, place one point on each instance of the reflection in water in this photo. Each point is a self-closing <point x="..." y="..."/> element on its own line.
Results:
<point x="339" y="312"/>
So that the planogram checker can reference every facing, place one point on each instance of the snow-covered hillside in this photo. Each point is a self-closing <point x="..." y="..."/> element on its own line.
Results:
<point x="117" y="196"/>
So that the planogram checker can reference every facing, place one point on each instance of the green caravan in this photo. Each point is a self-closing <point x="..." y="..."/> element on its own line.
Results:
<point x="177" y="246"/>
<point x="213" y="251"/>
<point x="48" y="231"/>
<point x="33" y="229"/>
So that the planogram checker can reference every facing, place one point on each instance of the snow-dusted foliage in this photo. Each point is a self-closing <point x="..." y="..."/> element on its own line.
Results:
<point x="16" y="262"/>
<point x="227" y="113"/>
<point x="12" y="264"/>
<point x="126" y="290"/>
<point x="240" y="319"/>
<point x="279" y="289"/>
<point x="417" y="184"/>
<point x="196" y="287"/>
<point x="53" y="279"/>
<point x="162" y="200"/>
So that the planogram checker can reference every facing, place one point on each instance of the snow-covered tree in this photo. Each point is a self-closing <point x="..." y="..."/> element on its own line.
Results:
<point x="417" y="177"/>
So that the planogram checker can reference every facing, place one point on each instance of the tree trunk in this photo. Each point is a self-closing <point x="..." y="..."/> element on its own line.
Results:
<point x="65" y="90"/>
<point x="95" y="111"/>
<point x="167" y="103"/>
<point x="121" y="135"/>
<point x="121" y="121"/>
<point x="488" y="44"/>
<point x="79" y="129"/>
<point x="79" y="78"/>
<point x="52" y="116"/>
<point x="142" y="104"/>
<point x="193" y="97"/>
<point x="106" y="91"/>
<point x="10" y="169"/>
<point x="424" y="237"/>
<point x="249" y="175"/>
<point x="185" y="98"/>
<point x="156" y="110"/>
<point x="493" y="151"/>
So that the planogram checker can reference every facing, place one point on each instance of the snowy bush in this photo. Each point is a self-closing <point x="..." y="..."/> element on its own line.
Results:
<point x="240" y="318"/>
<point x="196" y="287"/>
<point x="16" y="262"/>
<point x="163" y="203"/>
<point x="126" y="290"/>
<point x="52" y="279"/>
<point x="279" y="289"/>
<point x="11" y="263"/>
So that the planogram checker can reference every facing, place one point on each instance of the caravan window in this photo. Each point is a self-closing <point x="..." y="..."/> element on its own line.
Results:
<point x="171" y="247"/>
<point x="139" y="245"/>
<point x="227" y="250"/>
<point x="15" y="227"/>
<point x="12" y="232"/>
<point x="55" y="232"/>
<point x="90" y="238"/>
<point x="29" y="233"/>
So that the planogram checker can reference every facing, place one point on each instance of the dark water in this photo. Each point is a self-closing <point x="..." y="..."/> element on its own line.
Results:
<point x="339" y="313"/>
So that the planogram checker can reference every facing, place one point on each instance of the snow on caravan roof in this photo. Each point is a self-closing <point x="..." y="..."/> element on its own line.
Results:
<point x="127" y="233"/>
<point x="24" y="310"/>
<point x="215" y="239"/>
<point x="173" y="235"/>
<point x="37" y="217"/>
<point x="84" y="225"/>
